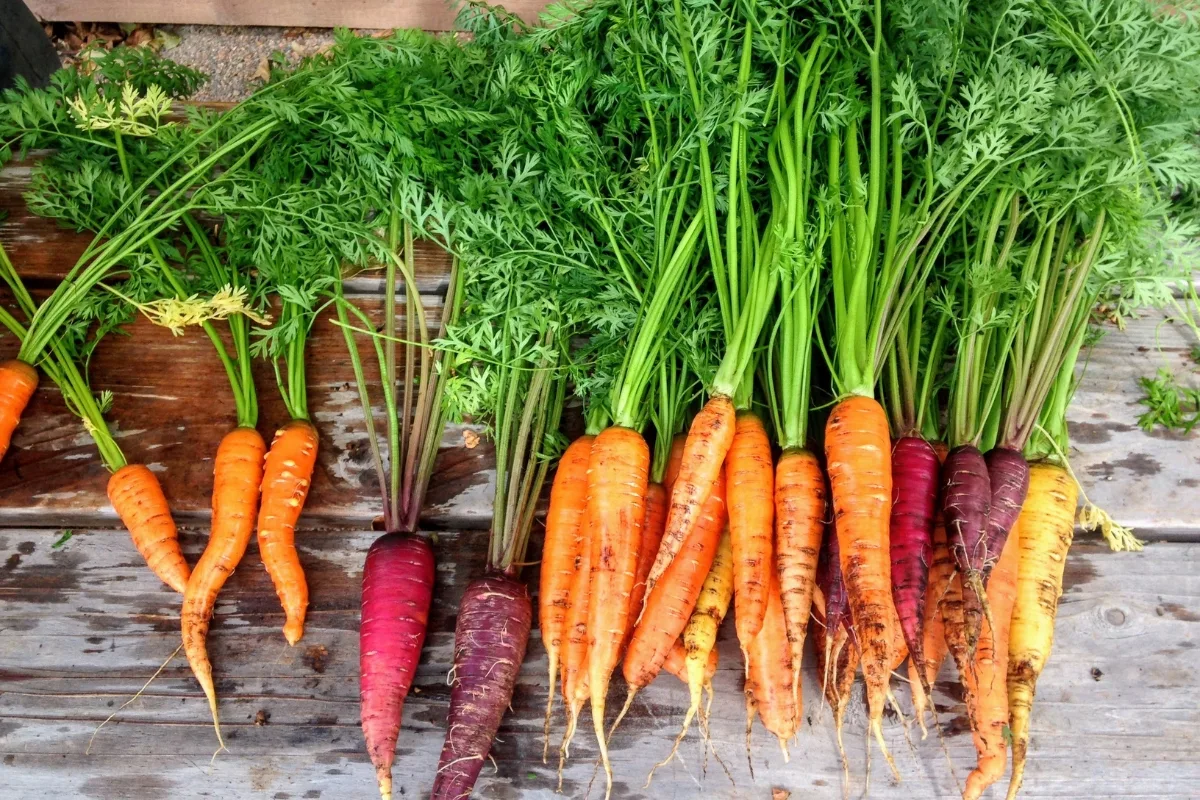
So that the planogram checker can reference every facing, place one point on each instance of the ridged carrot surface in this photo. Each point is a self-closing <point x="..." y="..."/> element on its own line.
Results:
<point x="18" y="382"/>
<point x="237" y="474"/>
<point x="750" y="492"/>
<point x="285" y="483"/>
<point x="137" y="497"/>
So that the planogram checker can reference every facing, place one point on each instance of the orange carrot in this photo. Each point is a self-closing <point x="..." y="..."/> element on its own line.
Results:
<point x="769" y="674"/>
<point x="858" y="452"/>
<point x="708" y="442"/>
<point x="987" y="683"/>
<point x="237" y="474"/>
<point x="575" y="688"/>
<point x="934" y="647"/>
<point x="674" y="462"/>
<point x="138" y="499"/>
<point x="669" y="604"/>
<point x="286" y="478"/>
<point x="560" y="557"/>
<point x="652" y="533"/>
<point x="750" y="484"/>
<point x="799" y="525"/>
<point x="954" y="625"/>
<point x="18" y="381"/>
<point x="617" y="478"/>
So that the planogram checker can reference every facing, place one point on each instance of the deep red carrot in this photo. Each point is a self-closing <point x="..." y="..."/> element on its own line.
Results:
<point x="397" y="589"/>
<point x="1008" y="472"/>
<point x="487" y="658"/>
<point x="915" y="469"/>
<point x="18" y="382"/>
<point x="966" y="506"/>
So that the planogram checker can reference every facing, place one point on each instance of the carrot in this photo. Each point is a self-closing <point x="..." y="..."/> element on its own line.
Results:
<point x="858" y="453"/>
<point x="397" y="589"/>
<point x="1044" y="532"/>
<point x="966" y="505"/>
<point x="285" y="483"/>
<point x="1008" y="472"/>
<point x="652" y="533"/>
<point x="837" y="664"/>
<point x="560" y="558"/>
<point x="698" y="644"/>
<point x="237" y="474"/>
<point x="750" y="486"/>
<point x="923" y="669"/>
<point x="914" y="502"/>
<point x="575" y="687"/>
<point x="670" y="603"/>
<point x="487" y="657"/>
<point x="18" y="382"/>
<point x="800" y="501"/>
<point x="708" y="442"/>
<point x="985" y="684"/>
<point x="674" y="462"/>
<point x="617" y="477"/>
<point x="950" y="607"/>
<point x="769" y="674"/>
<point x="677" y="665"/>
<point x="138" y="499"/>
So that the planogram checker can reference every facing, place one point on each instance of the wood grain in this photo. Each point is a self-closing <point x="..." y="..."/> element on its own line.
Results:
<point x="82" y="627"/>
<point x="434" y="15"/>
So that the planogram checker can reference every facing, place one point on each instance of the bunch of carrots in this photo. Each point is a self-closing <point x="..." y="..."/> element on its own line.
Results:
<point x="818" y="276"/>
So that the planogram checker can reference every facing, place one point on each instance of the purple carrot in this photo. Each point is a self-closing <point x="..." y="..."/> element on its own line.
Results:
<point x="915" y="469"/>
<point x="397" y="589"/>
<point x="966" y="507"/>
<point x="489" y="646"/>
<point x="1009" y="474"/>
<point x="833" y="588"/>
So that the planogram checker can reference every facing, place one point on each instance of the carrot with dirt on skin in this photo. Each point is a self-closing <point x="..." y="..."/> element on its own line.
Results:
<point x="677" y="665"/>
<point x="769" y="675"/>
<point x="652" y="533"/>
<point x="698" y="643"/>
<point x="564" y="539"/>
<point x="923" y="669"/>
<point x="669" y="605"/>
<point x="837" y="652"/>
<point x="985" y="683"/>
<point x="750" y="489"/>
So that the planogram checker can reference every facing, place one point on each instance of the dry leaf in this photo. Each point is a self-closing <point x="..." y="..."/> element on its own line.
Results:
<point x="263" y="73"/>
<point x="470" y="438"/>
<point x="780" y="794"/>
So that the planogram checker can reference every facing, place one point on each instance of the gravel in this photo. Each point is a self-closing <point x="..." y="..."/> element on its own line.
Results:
<point x="236" y="58"/>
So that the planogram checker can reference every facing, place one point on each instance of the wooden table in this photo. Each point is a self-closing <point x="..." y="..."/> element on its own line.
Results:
<point x="84" y="625"/>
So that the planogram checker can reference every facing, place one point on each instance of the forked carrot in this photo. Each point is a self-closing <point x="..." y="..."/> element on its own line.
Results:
<point x="708" y="442"/>
<point x="858" y="452"/>
<point x="285" y="483"/>
<point x="18" y="382"/>
<point x="561" y="557"/>
<point x="138" y="499"/>
<point x="800" y="505"/>
<point x="986" y="683"/>
<point x="618" y="473"/>
<point x="769" y="674"/>
<point x="750" y="487"/>
<point x="237" y="475"/>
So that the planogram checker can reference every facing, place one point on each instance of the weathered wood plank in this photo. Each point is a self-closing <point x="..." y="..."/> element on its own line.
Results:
<point x="82" y="627"/>
<point x="434" y="15"/>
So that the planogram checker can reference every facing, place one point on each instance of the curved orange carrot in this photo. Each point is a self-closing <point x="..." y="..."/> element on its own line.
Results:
<point x="617" y="477"/>
<point x="674" y="462"/>
<point x="286" y="478"/>
<point x="933" y="636"/>
<point x="138" y="499"/>
<point x="18" y="382"/>
<point x="987" y="683"/>
<point x="676" y="664"/>
<point x="858" y="453"/>
<point x="750" y="486"/>
<point x="652" y="533"/>
<point x="708" y="441"/>
<point x="237" y="474"/>
<point x="669" y="604"/>
<point x="560" y="557"/>
<point x="769" y="674"/>
<point x="800" y="505"/>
